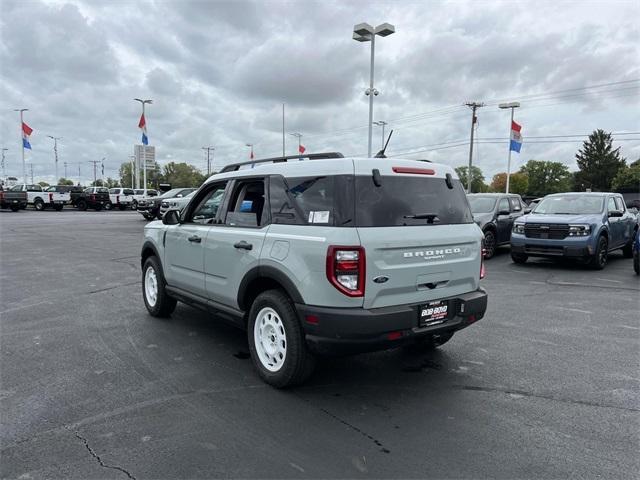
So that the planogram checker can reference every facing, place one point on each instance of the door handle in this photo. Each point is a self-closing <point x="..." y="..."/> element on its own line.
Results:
<point x="195" y="239"/>
<point x="243" y="245"/>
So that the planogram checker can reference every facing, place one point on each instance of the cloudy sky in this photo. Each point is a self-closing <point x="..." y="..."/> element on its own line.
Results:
<point x="218" y="73"/>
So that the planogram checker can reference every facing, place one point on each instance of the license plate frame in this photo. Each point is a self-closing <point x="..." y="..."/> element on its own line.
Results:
<point x="433" y="313"/>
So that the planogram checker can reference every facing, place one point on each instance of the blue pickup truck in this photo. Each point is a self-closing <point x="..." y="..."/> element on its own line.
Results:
<point x="584" y="226"/>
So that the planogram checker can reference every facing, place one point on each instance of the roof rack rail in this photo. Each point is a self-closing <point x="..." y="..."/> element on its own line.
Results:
<point x="311" y="156"/>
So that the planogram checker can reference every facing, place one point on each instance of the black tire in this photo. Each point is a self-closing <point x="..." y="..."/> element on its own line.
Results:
<point x="81" y="205"/>
<point x="14" y="207"/>
<point x="489" y="243"/>
<point x="38" y="204"/>
<point x="599" y="260"/>
<point x="298" y="363"/>
<point x="164" y="305"/>
<point x="519" y="257"/>
<point x="134" y="205"/>
<point x="627" y="250"/>
<point x="148" y="216"/>
<point x="636" y="263"/>
<point x="98" y="207"/>
<point x="108" y="206"/>
<point x="58" y="207"/>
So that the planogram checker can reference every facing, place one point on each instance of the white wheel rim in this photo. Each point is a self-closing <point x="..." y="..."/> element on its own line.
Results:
<point x="270" y="339"/>
<point x="151" y="286"/>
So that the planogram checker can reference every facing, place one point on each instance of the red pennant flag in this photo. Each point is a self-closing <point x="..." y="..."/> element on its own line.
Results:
<point x="26" y="129"/>
<point x="301" y="149"/>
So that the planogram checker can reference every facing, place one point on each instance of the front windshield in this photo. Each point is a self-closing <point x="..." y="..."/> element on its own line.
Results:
<point x="171" y="193"/>
<point x="570" y="205"/>
<point x="482" y="204"/>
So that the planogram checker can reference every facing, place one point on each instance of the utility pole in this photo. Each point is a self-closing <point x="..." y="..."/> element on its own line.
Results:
<point x="208" y="149"/>
<point x="95" y="165"/>
<point x="4" y="173"/>
<point x="79" y="175"/>
<point x="382" y="124"/>
<point x="55" y="152"/>
<point x="474" y="106"/>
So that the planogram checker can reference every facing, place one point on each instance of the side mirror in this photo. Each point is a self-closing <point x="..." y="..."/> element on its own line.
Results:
<point x="504" y="212"/>
<point x="527" y="210"/>
<point x="171" y="217"/>
<point x="616" y="213"/>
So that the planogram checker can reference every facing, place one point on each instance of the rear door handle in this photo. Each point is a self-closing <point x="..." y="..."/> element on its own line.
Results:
<point x="243" y="245"/>
<point x="195" y="239"/>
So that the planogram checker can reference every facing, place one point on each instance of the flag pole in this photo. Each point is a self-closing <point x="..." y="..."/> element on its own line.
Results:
<point x="283" y="144"/>
<point x="509" y="160"/>
<point x="144" y="154"/>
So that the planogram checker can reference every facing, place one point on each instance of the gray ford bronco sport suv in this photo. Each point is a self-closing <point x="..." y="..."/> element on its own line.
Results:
<point x="322" y="254"/>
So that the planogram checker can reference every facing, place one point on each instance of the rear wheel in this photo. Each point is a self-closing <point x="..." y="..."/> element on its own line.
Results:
<point x="134" y="205"/>
<point x="599" y="260"/>
<point x="108" y="206"/>
<point x="156" y="299"/>
<point x="38" y="204"/>
<point x="82" y="205"/>
<point x="519" y="257"/>
<point x="490" y="243"/>
<point x="276" y="341"/>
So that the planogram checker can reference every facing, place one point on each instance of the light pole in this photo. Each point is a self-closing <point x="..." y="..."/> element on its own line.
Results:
<point x="24" y="165"/>
<point x="299" y="137"/>
<point x="4" y="174"/>
<point x="363" y="32"/>
<point x="209" y="149"/>
<point x="132" y="163"/>
<point x="55" y="152"/>
<point x="512" y="106"/>
<point x="145" y="140"/>
<point x="381" y="123"/>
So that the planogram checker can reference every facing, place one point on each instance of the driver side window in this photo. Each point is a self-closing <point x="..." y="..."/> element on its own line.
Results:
<point x="206" y="211"/>
<point x="503" y="205"/>
<point x="611" y="206"/>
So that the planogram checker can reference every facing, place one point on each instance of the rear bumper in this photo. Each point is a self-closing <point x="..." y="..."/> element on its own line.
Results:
<point x="354" y="330"/>
<point x="567" y="247"/>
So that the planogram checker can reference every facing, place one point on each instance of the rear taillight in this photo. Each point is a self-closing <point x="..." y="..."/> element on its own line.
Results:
<point x="92" y="198"/>
<point x="346" y="269"/>
<point x="482" y="269"/>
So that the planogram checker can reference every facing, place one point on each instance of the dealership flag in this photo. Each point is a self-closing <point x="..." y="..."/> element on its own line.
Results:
<point x="301" y="149"/>
<point x="516" y="137"/>
<point x="142" y="125"/>
<point x="26" y="132"/>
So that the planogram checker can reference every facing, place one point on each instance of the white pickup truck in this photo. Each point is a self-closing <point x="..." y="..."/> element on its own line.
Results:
<point x="140" y="193"/>
<point x="41" y="198"/>
<point x="121" y="198"/>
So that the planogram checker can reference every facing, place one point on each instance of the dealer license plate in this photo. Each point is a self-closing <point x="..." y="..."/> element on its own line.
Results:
<point x="434" y="313"/>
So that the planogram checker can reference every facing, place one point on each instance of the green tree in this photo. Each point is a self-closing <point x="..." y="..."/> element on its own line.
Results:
<point x="477" y="179"/>
<point x="547" y="177"/>
<point x="65" y="181"/>
<point x="97" y="183"/>
<point x="518" y="183"/>
<point x="181" y="175"/>
<point x="43" y="184"/>
<point x="627" y="179"/>
<point x="598" y="162"/>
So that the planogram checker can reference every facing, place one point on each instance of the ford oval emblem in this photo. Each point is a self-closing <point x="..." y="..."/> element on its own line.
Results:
<point x="381" y="279"/>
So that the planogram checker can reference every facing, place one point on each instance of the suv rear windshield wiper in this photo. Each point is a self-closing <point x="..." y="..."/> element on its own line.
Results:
<point x="431" y="217"/>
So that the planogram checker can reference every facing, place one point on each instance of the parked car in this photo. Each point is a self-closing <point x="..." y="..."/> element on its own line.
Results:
<point x="140" y="193"/>
<point x="149" y="207"/>
<point x="327" y="255"/>
<point x="636" y="253"/>
<point x="121" y="198"/>
<point x="12" y="200"/>
<point x="495" y="213"/>
<point x="41" y="199"/>
<point x="585" y="226"/>
<point x="175" y="203"/>
<point x="92" y="197"/>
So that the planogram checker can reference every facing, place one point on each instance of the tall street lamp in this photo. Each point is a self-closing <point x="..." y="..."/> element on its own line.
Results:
<point x="381" y="123"/>
<point x="512" y="106"/>
<point x="55" y="152"/>
<point x="145" y="141"/>
<point x="363" y="32"/>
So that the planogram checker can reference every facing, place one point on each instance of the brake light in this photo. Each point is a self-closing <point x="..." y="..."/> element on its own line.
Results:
<point x="346" y="269"/>
<point x="417" y="171"/>
<point x="483" y="272"/>
<point x="92" y="198"/>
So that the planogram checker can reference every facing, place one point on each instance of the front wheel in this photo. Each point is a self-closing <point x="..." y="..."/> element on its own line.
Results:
<point x="82" y="205"/>
<point x="519" y="257"/>
<point x="156" y="299"/>
<point x="276" y="341"/>
<point x="14" y="207"/>
<point x="134" y="205"/>
<point x="38" y="204"/>
<point x="108" y="206"/>
<point x="490" y="244"/>
<point x="599" y="260"/>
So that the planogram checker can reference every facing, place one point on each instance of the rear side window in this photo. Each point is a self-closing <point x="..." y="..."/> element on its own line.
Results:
<point x="127" y="191"/>
<point x="404" y="201"/>
<point x="114" y="191"/>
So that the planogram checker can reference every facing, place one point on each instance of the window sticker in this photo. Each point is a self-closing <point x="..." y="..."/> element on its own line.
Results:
<point x="321" y="216"/>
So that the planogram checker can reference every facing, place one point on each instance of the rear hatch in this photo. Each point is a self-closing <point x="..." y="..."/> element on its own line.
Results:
<point x="420" y="240"/>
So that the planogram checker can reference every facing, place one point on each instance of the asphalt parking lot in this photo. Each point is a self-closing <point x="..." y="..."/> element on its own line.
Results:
<point x="545" y="386"/>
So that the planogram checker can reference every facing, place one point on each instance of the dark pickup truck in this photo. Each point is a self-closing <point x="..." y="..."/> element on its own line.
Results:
<point x="92" y="197"/>
<point x="13" y="200"/>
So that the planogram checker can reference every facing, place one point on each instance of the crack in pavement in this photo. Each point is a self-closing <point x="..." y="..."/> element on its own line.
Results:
<point x="524" y="393"/>
<point x="349" y="425"/>
<point x="96" y="456"/>
<point x="100" y="290"/>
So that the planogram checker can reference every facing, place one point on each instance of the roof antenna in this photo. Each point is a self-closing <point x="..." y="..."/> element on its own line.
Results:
<point x="381" y="154"/>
